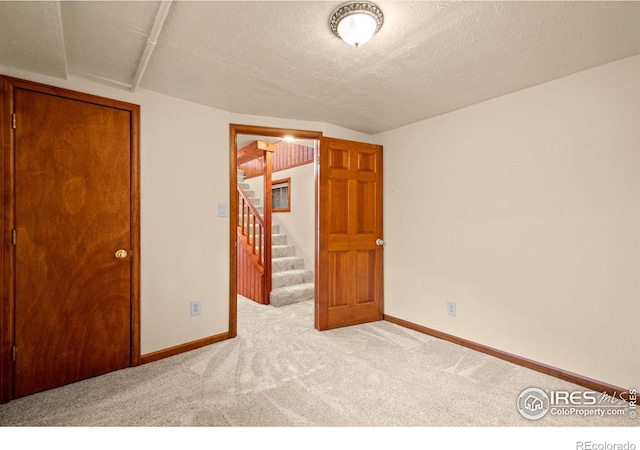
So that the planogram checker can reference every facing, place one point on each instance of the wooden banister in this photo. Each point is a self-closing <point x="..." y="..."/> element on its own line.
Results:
<point x="251" y="225"/>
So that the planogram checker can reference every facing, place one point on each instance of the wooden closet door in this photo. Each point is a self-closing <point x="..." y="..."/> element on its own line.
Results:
<point x="73" y="211"/>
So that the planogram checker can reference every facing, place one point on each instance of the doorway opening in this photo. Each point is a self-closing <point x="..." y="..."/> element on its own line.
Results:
<point x="246" y="240"/>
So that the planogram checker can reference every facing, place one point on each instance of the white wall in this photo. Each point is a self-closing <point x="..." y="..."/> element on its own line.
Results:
<point x="525" y="210"/>
<point x="299" y="223"/>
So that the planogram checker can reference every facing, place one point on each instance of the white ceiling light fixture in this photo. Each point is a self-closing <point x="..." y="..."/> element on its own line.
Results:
<point x="356" y="23"/>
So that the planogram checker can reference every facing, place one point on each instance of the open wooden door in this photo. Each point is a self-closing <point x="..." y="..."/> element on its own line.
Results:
<point x="349" y="268"/>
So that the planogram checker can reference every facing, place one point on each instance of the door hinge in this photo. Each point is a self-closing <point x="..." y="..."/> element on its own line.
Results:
<point x="14" y="350"/>
<point x="13" y="121"/>
<point x="14" y="237"/>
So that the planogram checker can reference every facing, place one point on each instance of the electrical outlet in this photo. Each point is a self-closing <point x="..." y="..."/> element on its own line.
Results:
<point x="451" y="308"/>
<point x="195" y="308"/>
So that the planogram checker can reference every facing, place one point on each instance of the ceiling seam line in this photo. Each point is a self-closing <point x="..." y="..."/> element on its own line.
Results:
<point x="156" y="29"/>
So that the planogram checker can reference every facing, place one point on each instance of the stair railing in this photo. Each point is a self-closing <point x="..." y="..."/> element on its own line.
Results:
<point x="251" y="226"/>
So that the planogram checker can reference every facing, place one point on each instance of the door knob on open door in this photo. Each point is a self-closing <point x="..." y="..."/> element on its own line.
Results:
<point x="379" y="242"/>
<point x="121" y="254"/>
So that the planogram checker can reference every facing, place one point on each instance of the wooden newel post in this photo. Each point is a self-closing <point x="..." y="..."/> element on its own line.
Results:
<point x="268" y="157"/>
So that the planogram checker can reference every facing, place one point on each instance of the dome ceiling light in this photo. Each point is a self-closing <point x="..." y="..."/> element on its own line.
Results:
<point x="356" y="23"/>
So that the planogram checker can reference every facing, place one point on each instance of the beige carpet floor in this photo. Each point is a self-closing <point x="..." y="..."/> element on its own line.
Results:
<point x="279" y="371"/>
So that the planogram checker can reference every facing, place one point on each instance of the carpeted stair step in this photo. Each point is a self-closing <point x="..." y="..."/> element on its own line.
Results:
<point x="286" y="263"/>
<point x="276" y="239"/>
<point x="291" y="277"/>
<point x="244" y="186"/>
<point x="291" y="294"/>
<point x="280" y="251"/>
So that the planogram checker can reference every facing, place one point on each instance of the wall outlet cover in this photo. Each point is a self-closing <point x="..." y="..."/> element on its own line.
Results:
<point x="451" y="308"/>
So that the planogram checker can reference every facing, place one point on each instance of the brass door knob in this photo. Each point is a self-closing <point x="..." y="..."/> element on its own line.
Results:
<point x="121" y="254"/>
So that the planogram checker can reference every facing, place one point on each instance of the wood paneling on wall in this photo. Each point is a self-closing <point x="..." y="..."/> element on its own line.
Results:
<point x="251" y="278"/>
<point x="286" y="155"/>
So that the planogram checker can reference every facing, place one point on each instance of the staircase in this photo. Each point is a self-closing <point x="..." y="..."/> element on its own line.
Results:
<point x="291" y="282"/>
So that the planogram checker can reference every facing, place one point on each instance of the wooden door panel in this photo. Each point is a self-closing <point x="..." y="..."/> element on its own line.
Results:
<point x="365" y="277"/>
<point x="366" y="218"/>
<point x="350" y="215"/>
<point x="367" y="161"/>
<point x="72" y="212"/>
<point x="338" y="209"/>
<point x="339" y="279"/>
<point x="338" y="158"/>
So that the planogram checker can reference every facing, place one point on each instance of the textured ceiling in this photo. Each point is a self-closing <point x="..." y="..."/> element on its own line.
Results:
<point x="281" y="59"/>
